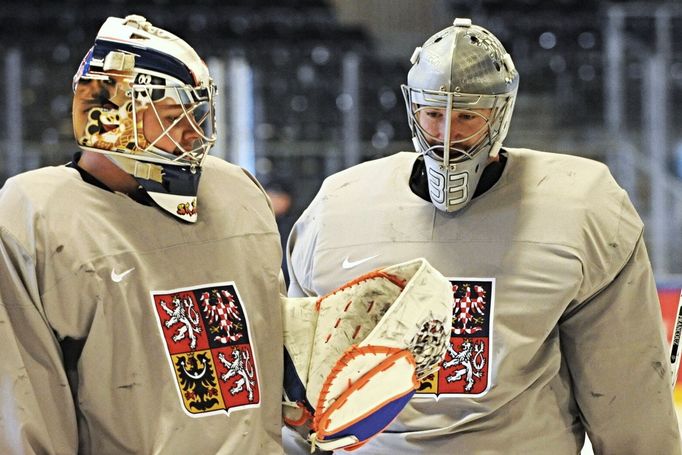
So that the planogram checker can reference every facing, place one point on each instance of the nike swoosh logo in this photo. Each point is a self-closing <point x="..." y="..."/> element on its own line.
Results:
<point x="117" y="277"/>
<point x="350" y="264"/>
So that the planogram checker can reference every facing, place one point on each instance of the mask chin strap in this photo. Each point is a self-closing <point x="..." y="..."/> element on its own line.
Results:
<point x="138" y="169"/>
<point x="495" y="149"/>
<point x="416" y="144"/>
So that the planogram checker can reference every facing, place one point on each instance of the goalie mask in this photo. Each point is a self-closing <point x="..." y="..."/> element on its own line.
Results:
<point x="143" y="97"/>
<point x="459" y="96"/>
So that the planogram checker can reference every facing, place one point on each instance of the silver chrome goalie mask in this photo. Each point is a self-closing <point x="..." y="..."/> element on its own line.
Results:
<point x="143" y="97"/>
<point x="459" y="96"/>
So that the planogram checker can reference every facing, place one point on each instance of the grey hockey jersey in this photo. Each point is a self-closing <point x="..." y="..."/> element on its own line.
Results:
<point x="557" y="328"/>
<point x="179" y="323"/>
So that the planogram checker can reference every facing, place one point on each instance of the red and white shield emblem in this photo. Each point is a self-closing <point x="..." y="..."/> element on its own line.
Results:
<point x="206" y="332"/>
<point x="465" y="371"/>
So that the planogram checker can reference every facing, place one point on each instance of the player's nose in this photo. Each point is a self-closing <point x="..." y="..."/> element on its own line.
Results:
<point x="442" y="128"/>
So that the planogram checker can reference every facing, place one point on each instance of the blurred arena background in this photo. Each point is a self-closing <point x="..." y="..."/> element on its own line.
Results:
<point x="309" y="87"/>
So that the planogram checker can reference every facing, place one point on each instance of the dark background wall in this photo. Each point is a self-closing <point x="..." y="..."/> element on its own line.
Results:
<point x="326" y="78"/>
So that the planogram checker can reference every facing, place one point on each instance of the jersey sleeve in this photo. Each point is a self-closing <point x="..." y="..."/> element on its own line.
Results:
<point x="300" y="254"/>
<point x="37" y="413"/>
<point x="616" y="353"/>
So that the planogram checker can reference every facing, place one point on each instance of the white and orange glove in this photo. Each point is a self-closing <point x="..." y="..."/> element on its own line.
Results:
<point x="354" y="357"/>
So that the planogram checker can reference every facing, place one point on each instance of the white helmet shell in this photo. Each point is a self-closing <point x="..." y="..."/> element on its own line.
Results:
<point x="461" y="69"/>
<point x="137" y="31"/>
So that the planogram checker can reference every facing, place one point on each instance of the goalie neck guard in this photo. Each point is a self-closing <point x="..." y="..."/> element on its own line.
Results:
<point x="144" y="98"/>
<point x="459" y="97"/>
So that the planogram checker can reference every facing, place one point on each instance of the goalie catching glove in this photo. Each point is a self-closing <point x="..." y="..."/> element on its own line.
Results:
<point x="354" y="357"/>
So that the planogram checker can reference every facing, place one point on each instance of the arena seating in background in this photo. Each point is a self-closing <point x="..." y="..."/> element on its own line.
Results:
<point x="296" y="49"/>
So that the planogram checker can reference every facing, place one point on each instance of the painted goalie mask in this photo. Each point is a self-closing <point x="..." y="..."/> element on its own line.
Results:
<point x="143" y="97"/>
<point x="459" y="95"/>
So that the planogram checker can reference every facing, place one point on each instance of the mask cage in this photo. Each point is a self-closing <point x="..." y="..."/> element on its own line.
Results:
<point x="183" y="107"/>
<point x="497" y="123"/>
